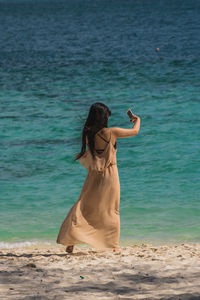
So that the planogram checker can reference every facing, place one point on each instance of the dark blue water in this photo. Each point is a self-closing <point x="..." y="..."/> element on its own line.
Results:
<point x="59" y="57"/>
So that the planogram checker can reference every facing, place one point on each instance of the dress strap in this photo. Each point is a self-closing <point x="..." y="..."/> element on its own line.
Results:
<point x="101" y="150"/>
<point x="102" y="138"/>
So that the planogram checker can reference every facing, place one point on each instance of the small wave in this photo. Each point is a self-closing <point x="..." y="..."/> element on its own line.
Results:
<point x="36" y="142"/>
<point x="11" y="245"/>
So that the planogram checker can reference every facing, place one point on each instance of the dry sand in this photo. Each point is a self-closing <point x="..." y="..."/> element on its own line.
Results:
<point x="138" y="272"/>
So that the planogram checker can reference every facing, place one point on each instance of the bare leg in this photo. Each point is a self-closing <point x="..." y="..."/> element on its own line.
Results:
<point x="69" y="249"/>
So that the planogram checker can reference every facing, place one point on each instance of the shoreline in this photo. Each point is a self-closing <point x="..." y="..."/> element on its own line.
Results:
<point x="122" y="243"/>
<point x="140" y="271"/>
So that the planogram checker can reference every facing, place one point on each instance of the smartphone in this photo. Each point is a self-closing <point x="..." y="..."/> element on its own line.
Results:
<point x="130" y="114"/>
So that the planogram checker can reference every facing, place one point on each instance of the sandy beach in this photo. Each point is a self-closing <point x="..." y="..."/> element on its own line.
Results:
<point x="140" y="271"/>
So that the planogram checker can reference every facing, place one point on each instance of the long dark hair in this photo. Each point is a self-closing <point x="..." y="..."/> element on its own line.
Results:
<point x="96" y="120"/>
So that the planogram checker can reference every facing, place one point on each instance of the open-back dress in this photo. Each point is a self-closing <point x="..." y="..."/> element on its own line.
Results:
<point x="94" y="219"/>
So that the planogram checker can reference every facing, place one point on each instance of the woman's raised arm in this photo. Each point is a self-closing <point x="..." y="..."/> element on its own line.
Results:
<point x="122" y="132"/>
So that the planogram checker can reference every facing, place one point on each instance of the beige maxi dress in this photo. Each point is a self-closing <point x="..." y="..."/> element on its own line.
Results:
<point x="94" y="219"/>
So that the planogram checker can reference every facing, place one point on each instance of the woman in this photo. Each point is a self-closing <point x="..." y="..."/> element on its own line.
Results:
<point x="94" y="219"/>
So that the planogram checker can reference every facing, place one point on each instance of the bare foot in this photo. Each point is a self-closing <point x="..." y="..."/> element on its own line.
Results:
<point x="116" y="250"/>
<point x="69" y="249"/>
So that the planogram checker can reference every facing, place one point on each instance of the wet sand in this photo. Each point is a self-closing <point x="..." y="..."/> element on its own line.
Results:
<point x="139" y="272"/>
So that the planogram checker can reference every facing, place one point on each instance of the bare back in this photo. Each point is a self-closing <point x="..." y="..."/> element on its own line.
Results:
<point x="102" y="137"/>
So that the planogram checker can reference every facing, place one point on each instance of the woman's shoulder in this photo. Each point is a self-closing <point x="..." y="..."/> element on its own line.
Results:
<point x="105" y="133"/>
<point x="112" y="130"/>
<point x="104" y="130"/>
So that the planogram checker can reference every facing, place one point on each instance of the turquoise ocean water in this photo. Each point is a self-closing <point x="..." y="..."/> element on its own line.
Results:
<point x="59" y="57"/>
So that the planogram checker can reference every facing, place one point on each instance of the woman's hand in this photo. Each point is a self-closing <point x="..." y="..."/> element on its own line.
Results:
<point x="134" y="119"/>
